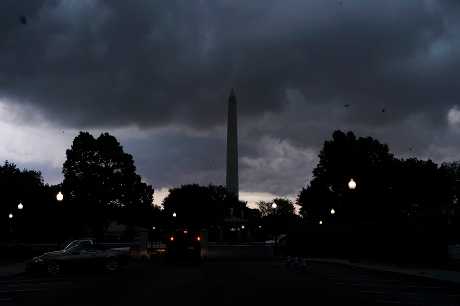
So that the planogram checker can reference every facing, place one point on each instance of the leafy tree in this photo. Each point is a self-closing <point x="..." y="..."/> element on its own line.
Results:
<point x="398" y="204"/>
<point x="18" y="185"/>
<point x="277" y="220"/>
<point x="388" y="191"/>
<point x="197" y="205"/>
<point x="451" y="177"/>
<point x="25" y="187"/>
<point x="265" y="208"/>
<point x="345" y="157"/>
<point x="100" y="179"/>
<point x="284" y="207"/>
<point x="422" y="187"/>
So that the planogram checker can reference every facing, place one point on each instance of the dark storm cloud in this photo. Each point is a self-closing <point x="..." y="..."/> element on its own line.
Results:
<point x="295" y="64"/>
<point x="150" y="63"/>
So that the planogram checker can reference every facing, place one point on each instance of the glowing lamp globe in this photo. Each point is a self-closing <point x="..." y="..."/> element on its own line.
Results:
<point x="59" y="196"/>
<point x="352" y="184"/>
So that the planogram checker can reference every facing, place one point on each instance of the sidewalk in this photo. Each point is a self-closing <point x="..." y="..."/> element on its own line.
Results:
<point x="12" y="269"/>
<point x="442" y="275"/>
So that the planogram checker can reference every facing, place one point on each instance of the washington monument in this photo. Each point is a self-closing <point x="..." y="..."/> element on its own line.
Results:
<point x="232" y="146"/>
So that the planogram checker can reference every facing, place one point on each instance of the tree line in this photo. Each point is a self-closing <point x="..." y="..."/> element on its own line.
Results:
<point x="364" y="201"/>
<point x="101" y="185"/>
<point x="388" y="191"/>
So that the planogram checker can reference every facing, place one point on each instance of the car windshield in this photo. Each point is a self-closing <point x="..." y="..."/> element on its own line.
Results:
<point x="77" y="245"/>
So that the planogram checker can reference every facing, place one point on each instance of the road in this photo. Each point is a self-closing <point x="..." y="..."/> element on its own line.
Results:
<point x="228" y="281"/>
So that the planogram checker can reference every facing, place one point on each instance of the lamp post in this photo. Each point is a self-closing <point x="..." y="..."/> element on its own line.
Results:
<point x="352" y="186"/>
<point x="353" y="218"/>
<point x="20" y="206"/>
<point x="274" y="207"/>
<point x="10" y="225"/>
<point x="174" y="219"/>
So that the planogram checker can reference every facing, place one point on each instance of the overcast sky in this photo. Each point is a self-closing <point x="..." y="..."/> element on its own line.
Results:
<point x="157" y="76"/>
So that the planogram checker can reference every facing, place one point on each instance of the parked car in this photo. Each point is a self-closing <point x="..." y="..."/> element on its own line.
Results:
<point x="80" y="254"/>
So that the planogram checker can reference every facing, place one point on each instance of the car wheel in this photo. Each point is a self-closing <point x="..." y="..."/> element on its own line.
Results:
<point x="112" y="265"/>
<point x="53" y="268"/>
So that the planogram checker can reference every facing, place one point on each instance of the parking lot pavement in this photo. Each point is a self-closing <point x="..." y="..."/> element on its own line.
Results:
<point x="11" y="269"/>
<point x="13" y="289"/>
<point x="383" y="288"/>
<point x="227" y="282"/>
<point x="436" y="274"/>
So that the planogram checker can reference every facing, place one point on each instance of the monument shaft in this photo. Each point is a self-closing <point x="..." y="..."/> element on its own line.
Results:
<point x="232" y="146"/>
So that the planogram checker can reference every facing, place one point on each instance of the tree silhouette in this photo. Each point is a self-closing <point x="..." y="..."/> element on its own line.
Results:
<point x="284" y="207"/>
<point x="398" y="204"/>
<point x="451" y="179"/>
<point x="197" y="205"/>
<point x="100" y="179"/>
<point x="388" y="189"/>
<point x="277" y="219"/>
<point x="343" y="158"/>
<point x="265" y="208"/>
<point x="37" y="216"/>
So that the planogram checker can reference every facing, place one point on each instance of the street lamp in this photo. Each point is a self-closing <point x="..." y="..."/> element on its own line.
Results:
<point x="174" y="214"/>
<point x="20" y="206"/>
<point x="10" y="216"/>
<point x="274" y="206"/>
<point x="60" y="196"/>
<point x="332" y="211"/>
<point x="320" y="222"/>
<point x="352" y="184"/>
<point x="242" y="226"/>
